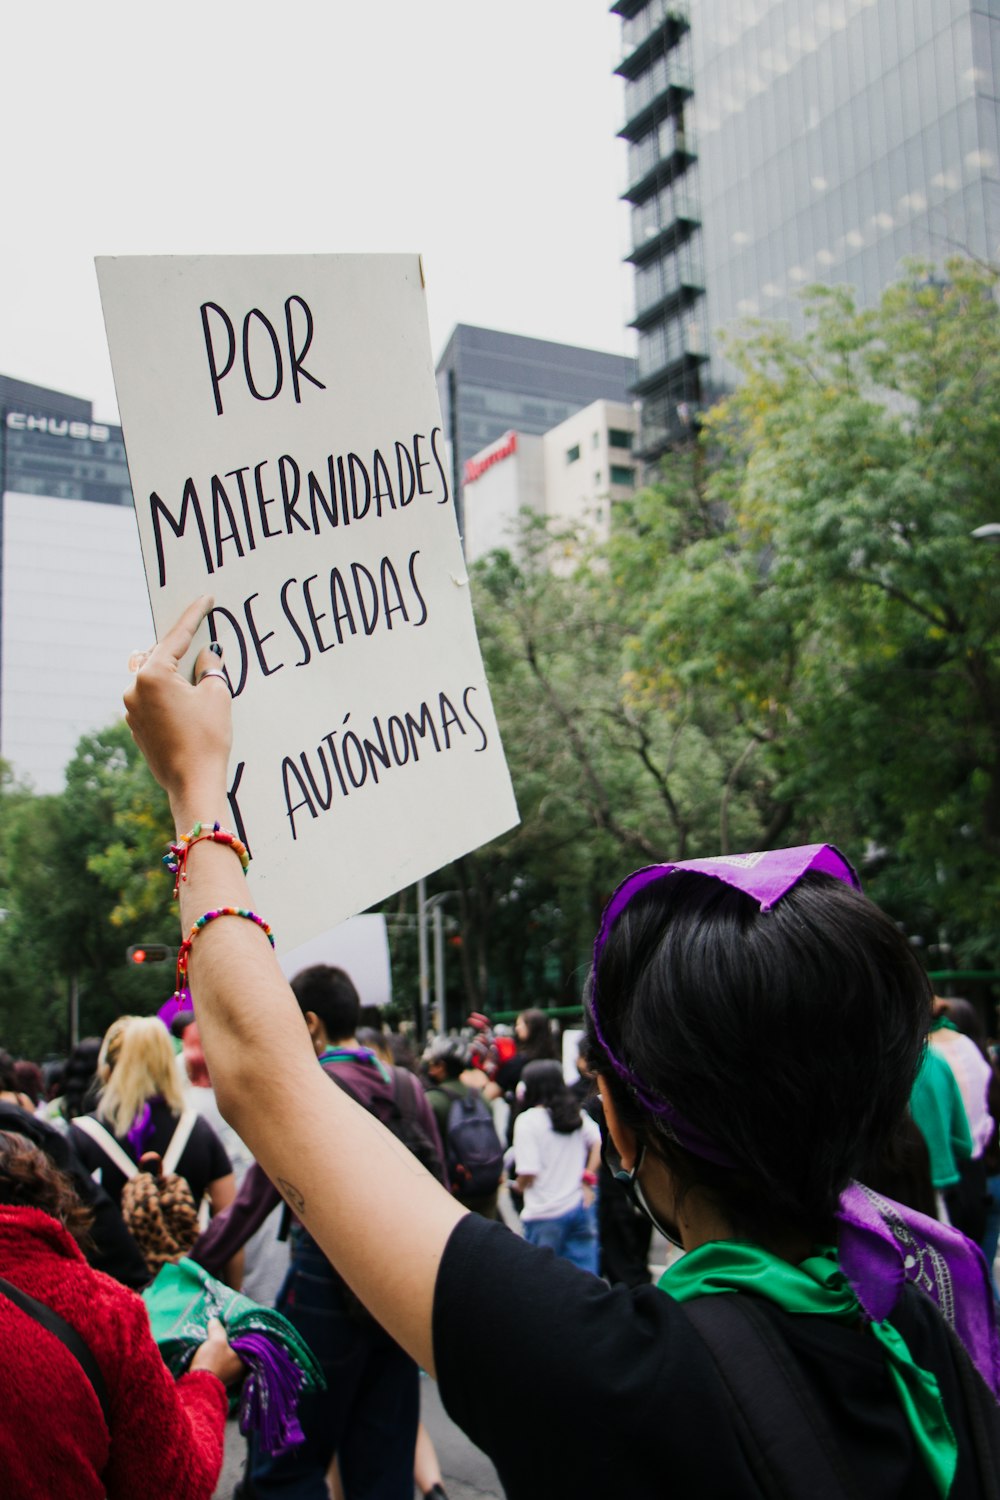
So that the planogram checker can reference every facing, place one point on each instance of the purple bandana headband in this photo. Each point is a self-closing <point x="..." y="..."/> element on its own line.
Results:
<point x="881" y="1243"/>
<point x="765" y="876"/>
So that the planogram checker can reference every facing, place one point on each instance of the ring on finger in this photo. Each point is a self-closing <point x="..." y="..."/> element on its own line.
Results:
<point x="213" y="672"/>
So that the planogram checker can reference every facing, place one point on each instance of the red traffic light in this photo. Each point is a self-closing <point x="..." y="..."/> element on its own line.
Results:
<point x="149" y="953"/>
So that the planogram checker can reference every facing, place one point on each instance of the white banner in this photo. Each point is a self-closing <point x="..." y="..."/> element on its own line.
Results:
<point x="284" y="442"/>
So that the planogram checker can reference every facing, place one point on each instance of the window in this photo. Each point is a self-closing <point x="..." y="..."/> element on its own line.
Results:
<point x="597" y="476"/>
<point x="620" y="474"/>
<point x="619" y="438"/>
<point x="595" y="441"/>
<point x="572" y="454"/>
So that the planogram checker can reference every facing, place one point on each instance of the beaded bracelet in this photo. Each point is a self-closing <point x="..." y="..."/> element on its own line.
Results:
<point x="221" y="911"/>
<point x="177" y="857"/>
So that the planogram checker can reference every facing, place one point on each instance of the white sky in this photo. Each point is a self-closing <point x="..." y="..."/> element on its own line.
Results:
<point x="481" y="135"/>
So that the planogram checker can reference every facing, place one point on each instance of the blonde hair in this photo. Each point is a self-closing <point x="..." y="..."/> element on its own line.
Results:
<point x="143" y="1068"/>
<point x="110" y="1048"/>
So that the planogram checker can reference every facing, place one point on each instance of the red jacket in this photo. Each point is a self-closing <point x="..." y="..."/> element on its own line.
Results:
<point x="166" y="1437"/>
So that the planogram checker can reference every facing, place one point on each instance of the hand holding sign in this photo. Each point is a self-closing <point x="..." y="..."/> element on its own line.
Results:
<point x="184" y="729"/>
<point x="286" y="450"/>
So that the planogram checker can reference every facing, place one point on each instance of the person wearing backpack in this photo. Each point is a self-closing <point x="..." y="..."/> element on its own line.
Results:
<point x="141" y="1114"/>
<point x="473" y="1153"/>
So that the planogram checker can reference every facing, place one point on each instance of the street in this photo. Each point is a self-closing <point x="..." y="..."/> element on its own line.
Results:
<point x="468" y="1473"/>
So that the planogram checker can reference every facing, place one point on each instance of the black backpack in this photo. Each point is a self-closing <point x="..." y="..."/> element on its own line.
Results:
<point x="402" y="1122"/>
<point x="472" y="1149"/>
<point x="788" y="1438"/>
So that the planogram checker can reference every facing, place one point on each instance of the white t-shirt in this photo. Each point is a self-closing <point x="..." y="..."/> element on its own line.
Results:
<point x="972" y="1074"/>
<point x="556" y="1162"/>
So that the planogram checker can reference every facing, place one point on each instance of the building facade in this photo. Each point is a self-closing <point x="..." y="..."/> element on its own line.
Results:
<point x="776" y="143"/>
<point x="571" y="477"/>
<point x="492" y="383"/>
<point x="73" y="600"/>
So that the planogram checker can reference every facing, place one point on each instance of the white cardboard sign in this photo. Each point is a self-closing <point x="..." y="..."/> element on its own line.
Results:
<point x="284" y="442"/>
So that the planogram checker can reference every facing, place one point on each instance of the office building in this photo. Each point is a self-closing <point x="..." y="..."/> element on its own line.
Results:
<point x="491" y="383"/>
<point x="571" y="477"/>
<point x="73" y="599"/>
<point x="776" y="143"/>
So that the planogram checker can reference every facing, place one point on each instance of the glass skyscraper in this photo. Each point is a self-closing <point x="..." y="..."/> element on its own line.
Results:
<point x="776" y="143"/>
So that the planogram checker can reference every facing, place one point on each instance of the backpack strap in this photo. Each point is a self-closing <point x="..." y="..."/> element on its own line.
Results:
<point x="788" y="1440"/>
<point x="396" y="1110"/>
<point x="67" y="1335"/>
<point x="179" y="1139"/>
<point x="406" y="1110"/>
<point x="103" y="1138"/>
<point x="343" y="1084"/>
<point x="980" y="1406"/>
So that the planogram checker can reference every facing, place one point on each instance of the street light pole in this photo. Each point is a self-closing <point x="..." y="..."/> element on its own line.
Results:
<point x="422" y="955"/>
<point x="438" y="920"/>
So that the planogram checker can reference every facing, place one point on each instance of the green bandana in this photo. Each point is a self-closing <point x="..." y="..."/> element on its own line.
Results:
<point x="818" y="1286"/>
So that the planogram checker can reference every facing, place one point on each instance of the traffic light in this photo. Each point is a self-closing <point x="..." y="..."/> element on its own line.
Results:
<point x="150" y="953"/>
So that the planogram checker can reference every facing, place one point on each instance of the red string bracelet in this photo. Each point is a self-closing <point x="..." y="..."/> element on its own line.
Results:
<point x="177" y="857"/>
<point x="221" y="911"/>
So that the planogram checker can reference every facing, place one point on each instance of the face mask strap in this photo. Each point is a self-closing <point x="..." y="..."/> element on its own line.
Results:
<point x="632" y="1185"/>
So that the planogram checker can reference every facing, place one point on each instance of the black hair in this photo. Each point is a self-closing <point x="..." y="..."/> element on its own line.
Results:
<point x="331" y="995"/>
<point x="539" y="1043"/>
<point x="80" y="1085"/>
<point x="791" y="1038"/>
<point x="544" y="1084"/>
<point x="451" y="1053"/>
<point x="967" y="1020"/>
<point x="8" y="1074"/>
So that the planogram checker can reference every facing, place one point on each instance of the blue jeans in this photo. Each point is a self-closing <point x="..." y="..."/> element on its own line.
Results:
<point x="368" y="1414"/>
<point x="572" y="1235"/>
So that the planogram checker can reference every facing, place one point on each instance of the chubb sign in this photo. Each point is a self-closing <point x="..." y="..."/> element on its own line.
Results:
<point x="22" y="421"/>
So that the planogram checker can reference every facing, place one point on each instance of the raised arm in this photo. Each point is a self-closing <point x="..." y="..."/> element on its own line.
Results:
<point x="347" y="1178"/>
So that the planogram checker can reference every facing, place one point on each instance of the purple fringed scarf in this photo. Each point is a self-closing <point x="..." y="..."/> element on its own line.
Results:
<point x="881" y="1244"/>
<point x="270" y="1396"/>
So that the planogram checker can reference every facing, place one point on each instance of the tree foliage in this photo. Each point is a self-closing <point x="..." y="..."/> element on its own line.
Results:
<point x="82" y="881"/>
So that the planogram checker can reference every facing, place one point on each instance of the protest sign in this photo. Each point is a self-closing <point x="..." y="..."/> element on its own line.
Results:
<point x="284" y="442"/>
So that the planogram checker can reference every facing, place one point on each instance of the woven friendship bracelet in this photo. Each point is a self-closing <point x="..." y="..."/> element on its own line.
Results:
<point x="184" y="951"/>
<point x="177" y="857"/>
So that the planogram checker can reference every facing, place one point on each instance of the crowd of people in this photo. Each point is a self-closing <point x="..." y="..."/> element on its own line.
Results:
<point x="765" y="1078"/>
<point x="488" y="1112"/>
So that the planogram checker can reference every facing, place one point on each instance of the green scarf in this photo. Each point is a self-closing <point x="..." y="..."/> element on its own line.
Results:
<point x="818" y="1286"/>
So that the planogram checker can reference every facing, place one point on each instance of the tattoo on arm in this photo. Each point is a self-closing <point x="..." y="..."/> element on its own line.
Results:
<point x="291" y="1195"/>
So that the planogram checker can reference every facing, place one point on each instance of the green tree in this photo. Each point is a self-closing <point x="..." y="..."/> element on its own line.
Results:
<point x="817" y="606"/>
<point x="83" y="881"/>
